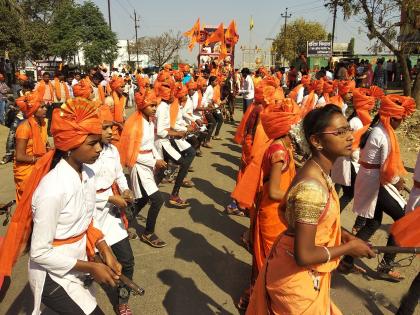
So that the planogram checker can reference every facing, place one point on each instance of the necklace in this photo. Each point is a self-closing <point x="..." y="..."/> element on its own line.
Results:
<point x="325" y="175"/>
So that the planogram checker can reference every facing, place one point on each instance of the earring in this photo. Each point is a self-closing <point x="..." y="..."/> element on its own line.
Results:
<point x="319" y="148"/>
<point x="68" y="153"/>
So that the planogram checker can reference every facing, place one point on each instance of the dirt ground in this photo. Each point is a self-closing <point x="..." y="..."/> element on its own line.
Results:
<point x="204" y="269"/>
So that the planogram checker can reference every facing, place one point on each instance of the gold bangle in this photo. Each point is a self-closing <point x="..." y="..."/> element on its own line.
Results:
<point x="328" y="253"/>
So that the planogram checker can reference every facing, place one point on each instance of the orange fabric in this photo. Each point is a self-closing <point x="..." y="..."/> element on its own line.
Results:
<point x="193" y="34"/>
<point x="101" y="93"/>
<point x="328" y="87"/>
<point x="192" y="86"/>
<point x="21" y="77"/>
<point x="131" y="138"/>
<point x="164" y="92"/>
<point x="268" y="224"/>
<point x="217" y="36"/>
<point x="93" y="235"/>
<point x="406" y="230"/>
<point x="245" y="190"/>
<point x="346" y="86"/>
<point x="308" y="104"/>
<point x="29" y="104"/>
<point x="119" y="105"/>
<point x="116" y="82"/>
<point x="57" y="88"/>
<point x="173" y="112"/>
<point x="82" y="89"/>
<point x="116" y="192"/>
<point x="36" y="146"/>
<point x="71" y="125"/>
<point x="43" y="93"/>
<point x="239" y="135"/>
<point x="294" y="93"/>
<point x="105" y="113"/>
<point x="181" y="91"/>
<point x="216" y="94"/>
<point x="283" y="287"/>
<point x="178" y="75"/>
<point x="400" y="107"/>
<point x="201" y="82"/>
<point x="231" y="35"/>
<point x="278" y="119"/>
<point x="317" y="85"/>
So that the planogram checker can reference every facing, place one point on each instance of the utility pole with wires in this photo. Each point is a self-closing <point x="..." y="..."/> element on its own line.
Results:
<point x="136" y="26"/>
<point x="285" y="16"/>
<point x="335" y="3"/>
<point x="109" y="13"/>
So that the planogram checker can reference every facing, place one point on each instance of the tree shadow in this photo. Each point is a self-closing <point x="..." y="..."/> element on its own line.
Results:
<point x="233" y="147"/>
<point x="219" y="196"/>
<point x="222" y="268"/>
<point x="216" y="220"/>
<point x="228" y="157"/>
<point x="23" y="303"/>
<point x="226" y="170"/>
<point x="183" y="296"/>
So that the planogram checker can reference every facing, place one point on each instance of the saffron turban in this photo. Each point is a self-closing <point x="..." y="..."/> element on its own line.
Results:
<point x="21" y="77"/>
<point x="364" y="101"/>
<point x="318" y="85"/>
<point x="29" y="104"/>
<point x="164" y="76"/>
<point x="399" y="107"/>
<point x="328" y="87"/>
<point x="105" y="113"/>
<point x="178" y="75"/>
<point x="201" y="82"/>
<point x="192" y="85"/>
<point x="306" y="79"/>
<point x="165" y="91"/>
<point x="345" y="87"/>
<point x="167" y="67"/>
<point x="181" y="91"/>
<point x="116" y="82"/>
<point x="82" y="89"/>
<point x="73" y="122"/>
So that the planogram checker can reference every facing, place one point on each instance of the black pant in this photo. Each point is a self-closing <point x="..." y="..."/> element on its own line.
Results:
<point x="211" y="125"/>
<point x="231" y="104"/>
<point x="245" y="104"/>
<point x="218" y="117"/>
<point x="392" y="208"/>
<point x="124" y="254"/>
<point x="411" y="299"/>
<point x="156" y="202"/>
<point x="185" y="161"/>
<point x="57" y="299"/>
<point x="348" y="191"/>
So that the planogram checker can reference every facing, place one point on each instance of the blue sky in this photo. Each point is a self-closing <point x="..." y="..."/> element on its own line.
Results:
<point x="157" y="17"/>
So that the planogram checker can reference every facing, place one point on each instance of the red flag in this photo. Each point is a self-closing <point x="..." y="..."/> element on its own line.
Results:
<point x="217" y="36"/>
<point x="193" y="34"/>
<point x="231" y="35"/>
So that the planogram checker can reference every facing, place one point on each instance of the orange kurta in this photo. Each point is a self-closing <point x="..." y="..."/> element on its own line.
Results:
<point x="268" y="224"/>
<point x="22" y="170"/>
<point x="283" y="287"/>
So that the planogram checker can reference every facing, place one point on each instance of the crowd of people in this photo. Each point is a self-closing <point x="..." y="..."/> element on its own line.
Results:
<point x="300" y="146"/>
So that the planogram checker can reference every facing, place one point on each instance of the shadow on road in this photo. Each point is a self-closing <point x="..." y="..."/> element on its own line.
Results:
<point x="183" y="296"/>
<point x="219" y="196"/>
<point x="221" y="267"/>
<point x="228" y="157"/>
<point x="226" y="170"/>
<point x="23" y="304"/>
<point x="233" y="147"/>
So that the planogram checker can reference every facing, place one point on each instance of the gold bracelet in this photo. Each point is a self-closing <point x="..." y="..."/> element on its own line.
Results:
<point x="328" y="253"/>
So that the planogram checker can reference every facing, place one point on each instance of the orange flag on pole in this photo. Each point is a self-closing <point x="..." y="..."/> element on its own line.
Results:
<point x="223" y="51"/>
<point x="231" y="35"/>
<point x="193" y="34"/>
<point x="217" y="36"/>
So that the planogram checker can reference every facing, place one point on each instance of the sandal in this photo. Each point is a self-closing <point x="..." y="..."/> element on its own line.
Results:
<point x="207" y="145"/>
<point x="199" y="153"/>
<point x="346" y="268"/>
<point x="245" y="240"/>
<point x="153" y="240"/>
<point x="232" y="209"/>
<point x="132" y="235"/>
<point x="243" y="301"/>
<point x="216" y="138"/>
<point x="187" y="183"/>
<point x="387" y="272"/>
<point x="191" y="169"/>
<point x="123" y="309"/>
<point x="176" y="201"/>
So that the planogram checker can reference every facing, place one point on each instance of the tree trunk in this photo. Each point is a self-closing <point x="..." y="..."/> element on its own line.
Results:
<point x="416" y="90"/>
<point x="402" y="58"/>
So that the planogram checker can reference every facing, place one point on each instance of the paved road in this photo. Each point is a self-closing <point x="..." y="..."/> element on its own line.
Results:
<point x="204" y="269"/>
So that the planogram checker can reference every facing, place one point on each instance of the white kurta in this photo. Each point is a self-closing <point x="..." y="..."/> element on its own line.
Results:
<point x="163" y="125"/>
<point x="341" y="169"/>
<point x="188" y="111"/>
<point x="108" y="170"/>
<point x="414" y="199"/>
<point x="207" y="98"/>
<point x="367" y="183"/>
<point x="143" y="171"/>
<point x="63" y="207"/>
<point x="300" y="95"/>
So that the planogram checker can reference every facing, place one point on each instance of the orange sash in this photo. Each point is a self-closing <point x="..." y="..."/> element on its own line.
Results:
<point x="41" y="90"/>
<point x="119" y="105"/>
<point x="406" y="230"/>
<point x="57" y="86"/>
<point x="173" y="112"/>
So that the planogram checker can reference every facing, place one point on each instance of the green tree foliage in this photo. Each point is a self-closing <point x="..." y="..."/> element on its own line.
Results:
<point x="11" y="38"/>
<point x="290" y="43"/>
<point x="350" y="48"/>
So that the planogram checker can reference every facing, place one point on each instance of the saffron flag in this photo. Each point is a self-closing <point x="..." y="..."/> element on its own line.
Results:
<point x="231" y="35"/>
<point x="251" y="23"/>
<point x="193" y="34"/>
<point x="406" y="230"/>
<point x="217" y="36"/>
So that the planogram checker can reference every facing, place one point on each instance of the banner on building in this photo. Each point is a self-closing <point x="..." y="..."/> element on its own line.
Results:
<point x="318" y="48"/>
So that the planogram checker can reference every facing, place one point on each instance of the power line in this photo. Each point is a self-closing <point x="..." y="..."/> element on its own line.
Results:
<point x="123" y="7"/>
<point x="285" y="16"/>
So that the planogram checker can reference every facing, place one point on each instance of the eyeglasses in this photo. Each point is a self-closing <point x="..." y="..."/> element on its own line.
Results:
<point x="340" y="132"/>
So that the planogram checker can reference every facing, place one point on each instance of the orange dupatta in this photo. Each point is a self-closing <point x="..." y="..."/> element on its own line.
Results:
<point x="173" y="112"/>
<point x="406" y="230"/>
<point x="57" y="87"/>
<point x="119" y="104"/>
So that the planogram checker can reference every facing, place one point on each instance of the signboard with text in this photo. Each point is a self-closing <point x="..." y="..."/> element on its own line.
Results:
<point x="318" y="48"/>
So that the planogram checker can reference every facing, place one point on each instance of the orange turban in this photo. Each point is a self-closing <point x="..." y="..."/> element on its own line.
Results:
<point x="328" y="87"/>
<point x="178" y="75"/>
<point x="163" y="76"/>
<point x="139" y="99"/>
<point x="181" y="91"/>
<point x="73" y="122"/>
<point x="165" y="91"/>
<point x="142" y="81"/>
<point x="278" y="119"/>
<point x="263" y="71"/>
<point x="265" y="92"/>
<point x="29" y="104"/>
<point x="21" y="77"/>
<point x="364" y="101"/>
<point x="192" y="85"/>
<point x="345" y="87"/>
<point x="201" y="82"/>
<point x="184" y="68"/>
<point x="151" y="98"/>
<point x="167" y="67"/>
<point x="317" y="85"/>
<point x="82" y="89"/>
<point x="306" y="79"/>
<point x="394" y="106"/>
<point x="105" y="113"/>
<point x="116" y="82"/>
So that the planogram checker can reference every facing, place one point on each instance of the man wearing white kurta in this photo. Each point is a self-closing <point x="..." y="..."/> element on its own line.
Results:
<point x="172" y="145"/>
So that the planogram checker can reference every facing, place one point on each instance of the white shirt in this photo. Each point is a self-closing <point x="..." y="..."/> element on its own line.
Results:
<point x="207" y="96"/>
<point x="74" y="82"/>
<point x="248" y="88"/>
<point x="108" y="170"/>
<point x="188" y="110"/>
<point x="63" y="206"/>
<point x="299" y="97"/>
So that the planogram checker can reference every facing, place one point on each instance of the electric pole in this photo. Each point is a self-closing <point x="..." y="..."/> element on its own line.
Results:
<point x="333" y="29"/>
<point x="109" y="13"/>
<point x="285" y="16"/>
<point x="136" y="26"/>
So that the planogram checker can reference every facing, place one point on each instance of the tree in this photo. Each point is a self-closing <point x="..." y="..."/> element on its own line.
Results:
<point x="291" y="42"/>
<point x="350" y="48"/>
<point x="382" y="18"/>
<point x="161" y="49"/>
<point x="11" y="39"/>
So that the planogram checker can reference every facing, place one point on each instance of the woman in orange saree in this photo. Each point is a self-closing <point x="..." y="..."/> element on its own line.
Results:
<point x="295" y="278"/>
